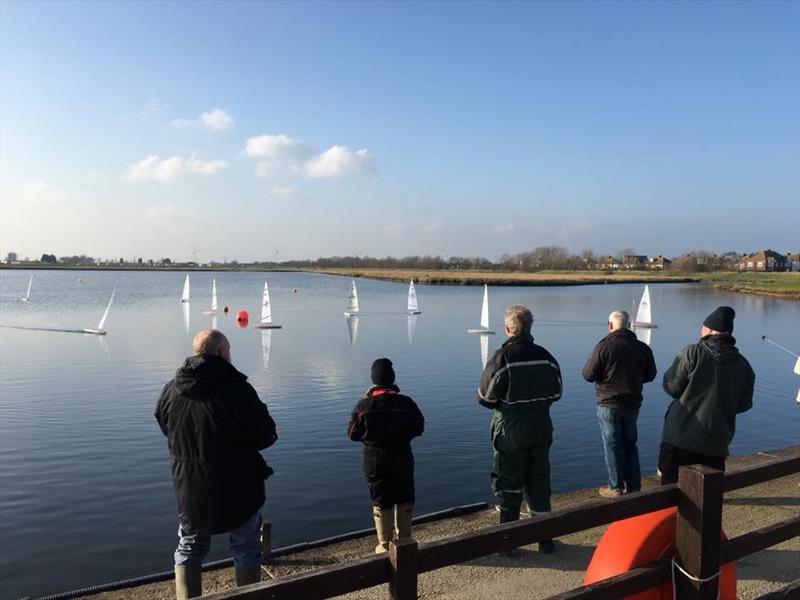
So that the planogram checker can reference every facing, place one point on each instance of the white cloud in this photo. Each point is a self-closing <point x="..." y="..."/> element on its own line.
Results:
<point x="279" y="154"/>
<point x="337" y="161"/>
<point x="39" y="192"/>
<point x="503" y="229"/>
<point x="431" y="227"/>
<point x="158" y="212"/>
<point x="215" y="120"/>
<point x="277" y="147"/>
<point x="171" y="169"/>
<point x="283" y="193"/>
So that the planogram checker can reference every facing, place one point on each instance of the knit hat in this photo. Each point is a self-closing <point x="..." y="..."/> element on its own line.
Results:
<point x="382" y="372"/>
<point x="721" y="319"/>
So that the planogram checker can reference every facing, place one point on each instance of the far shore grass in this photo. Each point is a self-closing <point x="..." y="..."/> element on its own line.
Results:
<point x="783" y="285"/>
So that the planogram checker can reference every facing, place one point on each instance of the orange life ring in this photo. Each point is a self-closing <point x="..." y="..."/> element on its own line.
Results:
<point x="634" y="542"/>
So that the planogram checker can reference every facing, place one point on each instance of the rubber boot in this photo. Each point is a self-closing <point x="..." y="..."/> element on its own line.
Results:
<point x="247" y="575"/>
<point x="509" y="513"/>
<point x="402" y="521"/>
<point x="188" y="581"/>
<point x="384" y="527"/>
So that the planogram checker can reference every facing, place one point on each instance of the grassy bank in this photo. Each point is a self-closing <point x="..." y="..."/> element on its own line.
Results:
<point x="784" y="285"/>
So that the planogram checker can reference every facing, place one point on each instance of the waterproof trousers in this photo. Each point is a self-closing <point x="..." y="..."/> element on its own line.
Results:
<point x="389" y="471"/>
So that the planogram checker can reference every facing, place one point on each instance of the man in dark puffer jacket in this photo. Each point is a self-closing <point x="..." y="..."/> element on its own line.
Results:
<point x="618" y="366"/>
<point x="386" y="422"/>
<point x="711" y="382"/>
<point x="215" y="425"/>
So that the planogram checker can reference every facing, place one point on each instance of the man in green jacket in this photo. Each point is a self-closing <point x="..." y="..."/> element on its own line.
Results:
<point x="519" y="383"/>
<point x="710" y="383"/>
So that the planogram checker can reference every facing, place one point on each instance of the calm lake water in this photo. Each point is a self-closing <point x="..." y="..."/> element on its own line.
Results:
<point x="85" y="489"/>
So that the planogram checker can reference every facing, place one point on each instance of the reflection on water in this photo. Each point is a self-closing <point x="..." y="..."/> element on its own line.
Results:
<point x="642" y="334"/>
<point x="186" y="315"/>
<point x="352" y="329"/>
<point x="78" y="442"/>
<point x="266" y="345"/>
<point x="412" y="325"/>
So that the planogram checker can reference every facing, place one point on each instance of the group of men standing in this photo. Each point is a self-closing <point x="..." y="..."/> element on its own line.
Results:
<point x="216" y="427"/>
<point x="710" y="383"/>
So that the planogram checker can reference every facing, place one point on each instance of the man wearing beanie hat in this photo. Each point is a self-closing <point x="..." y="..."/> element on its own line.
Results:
<point x="710" y="383"/>
<point x="386" y="422"/>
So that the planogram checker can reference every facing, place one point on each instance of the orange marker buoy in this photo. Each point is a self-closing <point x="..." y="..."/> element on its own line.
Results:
<point x="241" y="315"/>
<point x="634" y="542"/>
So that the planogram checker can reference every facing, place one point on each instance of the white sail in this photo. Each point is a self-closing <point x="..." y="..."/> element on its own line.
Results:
<point x="412" y="325"/>
<point x="484" y="350"/>
<point x="352" y="329"/>
<point x="485" y="308"/>
<point x="185" y="295"/>
<point x="266" y="346"/>
<point x="643" y="316"/>
<point x="266" y="309"/>
<point x="413" y="304"/>
<point x="105" y="314"/>
<point x="352" y="300"/>
<point x="28" y="294"/>
<point x="214" y="295"/>
<point x="484" y="328"/>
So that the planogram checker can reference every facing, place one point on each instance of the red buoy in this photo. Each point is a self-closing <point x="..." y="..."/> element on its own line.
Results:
<point x="241" y="315"/>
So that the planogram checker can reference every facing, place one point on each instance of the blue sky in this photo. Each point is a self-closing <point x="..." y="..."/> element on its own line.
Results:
<point x="153" y="129"/>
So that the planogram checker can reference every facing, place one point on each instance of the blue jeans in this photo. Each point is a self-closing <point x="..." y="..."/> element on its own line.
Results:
<point x="245" y="543"/>
<point x="618" y="428"/>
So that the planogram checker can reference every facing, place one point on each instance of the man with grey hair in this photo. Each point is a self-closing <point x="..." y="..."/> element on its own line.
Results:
<point x="519" y="383"/>
<point x="215" y="425"/>
<point x="619" y="366"/>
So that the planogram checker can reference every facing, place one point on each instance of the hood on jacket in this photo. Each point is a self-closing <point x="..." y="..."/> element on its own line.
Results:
<point x="721" y="347"/>
<point x="199" y="375"/>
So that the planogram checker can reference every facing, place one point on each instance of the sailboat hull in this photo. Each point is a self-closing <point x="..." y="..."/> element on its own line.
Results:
<point x="481" y="330"/>
<point x="644" y="325"/>
<point x="350" y="314"/>
<point x="270" y="326"/>
<point x="415" y="312"/>
<point x="185" y="300"/>
<point x="95" y="331"/>
<point x="210" y="312"/>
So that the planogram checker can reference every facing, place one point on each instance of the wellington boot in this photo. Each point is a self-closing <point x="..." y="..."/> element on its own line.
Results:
<point x="247" y="575"/>
<point x="188" y="581"/>
<point x="402" y="521"/>
<point x="384" y="527"/>
<point x="509" y="513"/>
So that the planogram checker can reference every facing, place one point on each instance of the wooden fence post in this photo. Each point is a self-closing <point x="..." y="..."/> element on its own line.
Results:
<point x="266" y="540"/>
<point x="697" y="534"/>
<point x="404" y="563"/>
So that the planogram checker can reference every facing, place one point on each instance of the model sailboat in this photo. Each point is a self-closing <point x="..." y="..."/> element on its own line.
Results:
<point x="266" y="312"/>
<point x="213" y="310"/>
<point x="352" y="301"/>
<point x="101" y="324"/>
<point x="413" y="304"/>
<point x="28" y="294"/>
<point x="185" y="294"/>
<point x="484" y="328"/>
<point x="644" y="318"/>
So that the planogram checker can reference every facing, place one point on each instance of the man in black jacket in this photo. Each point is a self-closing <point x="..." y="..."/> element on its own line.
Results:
<point x="215" y="425"/>
<point x="520" y="382"/>
<point x="618" y="366"/>
<point x="710" y="383"/>
<point x="386" y="422"/>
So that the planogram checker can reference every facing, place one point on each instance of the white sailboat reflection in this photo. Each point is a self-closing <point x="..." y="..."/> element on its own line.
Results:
<point x="412" y="325"/>
<point x="484" y="350"/>
<point x="266" y="346"/>
<point x="352" y="329"/>
<point x="214" y="321"/>
<point x="186" y="320"/>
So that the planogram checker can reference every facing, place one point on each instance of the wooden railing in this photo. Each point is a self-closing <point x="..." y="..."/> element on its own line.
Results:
<point x="698" y="496"/>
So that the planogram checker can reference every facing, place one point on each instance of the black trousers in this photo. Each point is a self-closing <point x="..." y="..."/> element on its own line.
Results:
<point x="670" y="458"/>
<point x="390" y="474"/>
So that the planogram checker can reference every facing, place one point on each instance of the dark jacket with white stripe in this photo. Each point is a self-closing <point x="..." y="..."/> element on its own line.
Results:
<point x="522" y="380"/>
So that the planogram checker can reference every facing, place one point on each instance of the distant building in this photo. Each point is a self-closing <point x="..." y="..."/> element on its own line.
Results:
<point x="763" y="260"/>
<point x="634" y="261"/>
<point x="793" y="261"/>
<point x="609" y="262"/>
<point x="658" y="262"/>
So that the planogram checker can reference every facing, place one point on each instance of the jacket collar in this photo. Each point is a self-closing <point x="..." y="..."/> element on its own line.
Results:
<point x="377" y="390"/>
<point x="522" y="338"/>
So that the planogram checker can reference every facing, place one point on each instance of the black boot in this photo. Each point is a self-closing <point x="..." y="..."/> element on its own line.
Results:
<point x="509" y="513"/>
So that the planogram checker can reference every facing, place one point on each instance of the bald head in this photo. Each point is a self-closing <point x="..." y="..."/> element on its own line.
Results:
<point x="213" y="342"/>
